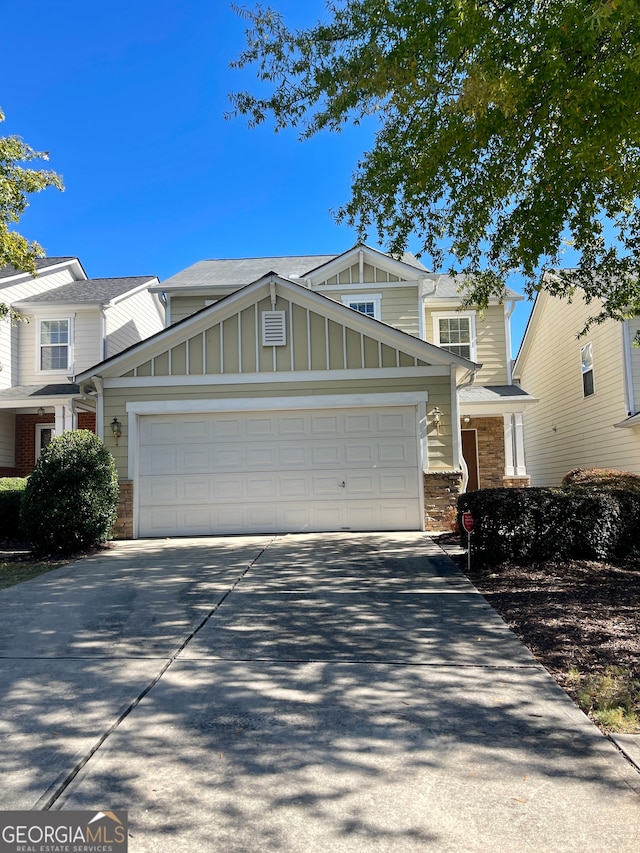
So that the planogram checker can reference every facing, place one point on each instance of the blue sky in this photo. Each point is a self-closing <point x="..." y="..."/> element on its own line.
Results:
<point x="129" y="100"/>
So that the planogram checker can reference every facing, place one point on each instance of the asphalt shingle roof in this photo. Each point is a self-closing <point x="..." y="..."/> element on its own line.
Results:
<point x="448" y="287"/>
<point x="236" y="272"/>
<point x="41" y="263"/>
<point x="20" y="392"/>
<point x="95" y="290"/>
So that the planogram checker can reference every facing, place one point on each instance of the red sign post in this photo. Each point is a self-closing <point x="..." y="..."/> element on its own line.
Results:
<point x="468" y="522"/>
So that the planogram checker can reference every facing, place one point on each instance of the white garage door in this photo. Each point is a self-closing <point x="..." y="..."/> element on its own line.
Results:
<point x="269" y="472"/>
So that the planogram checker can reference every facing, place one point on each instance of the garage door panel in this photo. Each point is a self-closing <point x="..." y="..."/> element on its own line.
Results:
<point x="280" y="471"/>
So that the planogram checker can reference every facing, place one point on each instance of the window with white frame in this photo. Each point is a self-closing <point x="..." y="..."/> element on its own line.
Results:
<point x="586" y="357"/>
<point x="54" y="345"/>
<point x="456" y="332"/>
<point x="366" y="303"/>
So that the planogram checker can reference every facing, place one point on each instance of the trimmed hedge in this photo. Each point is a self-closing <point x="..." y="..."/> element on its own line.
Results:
<point x="11" y="493"/>
<point x="71" y="498"/>
<point x="536" y="524"/>
<point x="602" y="478"/>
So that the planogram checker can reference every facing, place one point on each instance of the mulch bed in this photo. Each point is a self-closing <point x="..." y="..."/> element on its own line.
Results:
<point x="571" y="614"/>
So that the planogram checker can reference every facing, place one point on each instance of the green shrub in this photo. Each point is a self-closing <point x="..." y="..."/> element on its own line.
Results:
<point x="11" y="492"/>
<point x="602" y="478"/>
<point x="71" y="498"/>
<point x="537" y="524"/>
<point x="11" y="484"/>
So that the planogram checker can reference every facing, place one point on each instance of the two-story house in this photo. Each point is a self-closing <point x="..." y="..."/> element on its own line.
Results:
<point x="69" y="323"/>
<point x="322" y="392"/>
<point x="589" y="390"/>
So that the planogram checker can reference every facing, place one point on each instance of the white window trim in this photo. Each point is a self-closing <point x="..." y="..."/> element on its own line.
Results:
<point x="68" y="370"/>
<point x="583" y="372"/>
<point x="39" y="429"/>
<point x="436" y="316"/>
<point x="376" y="298"/>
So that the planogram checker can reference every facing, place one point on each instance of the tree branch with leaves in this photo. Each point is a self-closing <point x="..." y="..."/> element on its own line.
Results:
<point x="17" y="182"/>
<point x="508" y="131"/>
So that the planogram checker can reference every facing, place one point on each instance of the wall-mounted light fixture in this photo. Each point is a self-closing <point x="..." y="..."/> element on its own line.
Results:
<point x="466" y="420"/>
<point x="40" y="412"/>
<point x="116" y="429"/>
<point x="436" y="418"/>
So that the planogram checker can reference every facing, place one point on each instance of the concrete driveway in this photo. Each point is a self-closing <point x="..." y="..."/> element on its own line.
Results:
<point x="341" y="692"/>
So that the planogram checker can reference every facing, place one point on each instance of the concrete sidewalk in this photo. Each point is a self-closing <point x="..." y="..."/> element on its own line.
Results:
<point x="297" y="693"/>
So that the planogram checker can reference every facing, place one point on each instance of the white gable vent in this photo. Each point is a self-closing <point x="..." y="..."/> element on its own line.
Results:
<point x="274" y="329"/>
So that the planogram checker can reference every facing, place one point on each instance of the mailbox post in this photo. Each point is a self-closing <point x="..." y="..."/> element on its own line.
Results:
<point x="468" y="522"/>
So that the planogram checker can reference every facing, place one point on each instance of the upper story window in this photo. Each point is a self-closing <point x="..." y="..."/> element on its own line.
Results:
<point x="54" y="344"/>
<point x="586" y="357"/>
<point x="456" y="333"/>
<point x="366" y="303"/>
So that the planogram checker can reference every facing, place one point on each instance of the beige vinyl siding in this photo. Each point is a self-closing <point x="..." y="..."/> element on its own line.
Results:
<point x="131" y="320"/>
<point x="6" y="362"/>
<point x="9" y="335"/>
<point x="566" y="430"/>
<point x="185" y="306"/>
<point x="491" y="341"/>
<point x="87" y="348"/>
<point x="313" y="342"/>
<point x="7" y="439"/>
<point x="440" y="447"/>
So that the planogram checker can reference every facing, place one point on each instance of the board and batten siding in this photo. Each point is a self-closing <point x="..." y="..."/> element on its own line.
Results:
<point x="399" y="305"/>
<point x="491" y="341"/>
<point x="313" y="342"/>
<point x="566" y="430"/>
<point x="130" y="321"/>
<point x="440" y="454"/>
<point x="87" y="345"/>
<point x="7" y="439"/>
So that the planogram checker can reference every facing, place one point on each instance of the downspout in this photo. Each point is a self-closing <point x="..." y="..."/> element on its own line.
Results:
<point x="103" y="332"/>
<point x="628" y="368"/>
<point x="97" y="381"/>
<point x="510" y="308"/>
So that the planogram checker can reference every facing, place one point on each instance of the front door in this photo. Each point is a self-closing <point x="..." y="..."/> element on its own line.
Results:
<point x="44" y="434"/>
<point x="470" y="453"/>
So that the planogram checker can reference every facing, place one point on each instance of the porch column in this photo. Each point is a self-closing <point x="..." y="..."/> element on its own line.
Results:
<point x="509" y="467"/>
<point x="521" y="468"/>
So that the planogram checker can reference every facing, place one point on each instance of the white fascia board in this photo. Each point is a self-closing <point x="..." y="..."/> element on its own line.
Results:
<point x="55" y="309"/>
<point x="265" y="404"/>
<point x="132" y="292"/>
<point x="512" y="405"/>
<point x="73" y="264"/>
<point x="36" y="402"/>
<point x="267" y="378"/>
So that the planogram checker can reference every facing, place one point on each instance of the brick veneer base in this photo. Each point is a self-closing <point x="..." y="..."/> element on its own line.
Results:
<point x="441" y="490"/>
<point x="123" y="528"/>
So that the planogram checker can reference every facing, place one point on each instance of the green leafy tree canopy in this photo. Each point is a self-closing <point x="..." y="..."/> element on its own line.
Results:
<point x="17" y="182"/>
<point x="507" y="131"/>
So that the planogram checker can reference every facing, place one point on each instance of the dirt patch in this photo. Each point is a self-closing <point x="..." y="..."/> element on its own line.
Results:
<point x="574" y="615"/>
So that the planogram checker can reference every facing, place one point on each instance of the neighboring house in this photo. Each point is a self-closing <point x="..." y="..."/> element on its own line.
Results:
<point x="589" y="391"/>
<point x="327" y="392"/>
<point x="70" y="322"/>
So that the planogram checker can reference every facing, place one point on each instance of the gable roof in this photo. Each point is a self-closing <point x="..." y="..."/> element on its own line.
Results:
<point x="293" y="291"/>
<point x="93" y="291"/>
<point x="237" y="272"/>
<point x="7" y="272"/>
<point x="448" y="287"/>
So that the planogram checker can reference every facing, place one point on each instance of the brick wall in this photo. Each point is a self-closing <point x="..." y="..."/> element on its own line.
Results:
<point x="123" y="528"/>
<point x="26" y="440"/>
<point x="491" y="455"/>
<point x="441" y="492"/>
